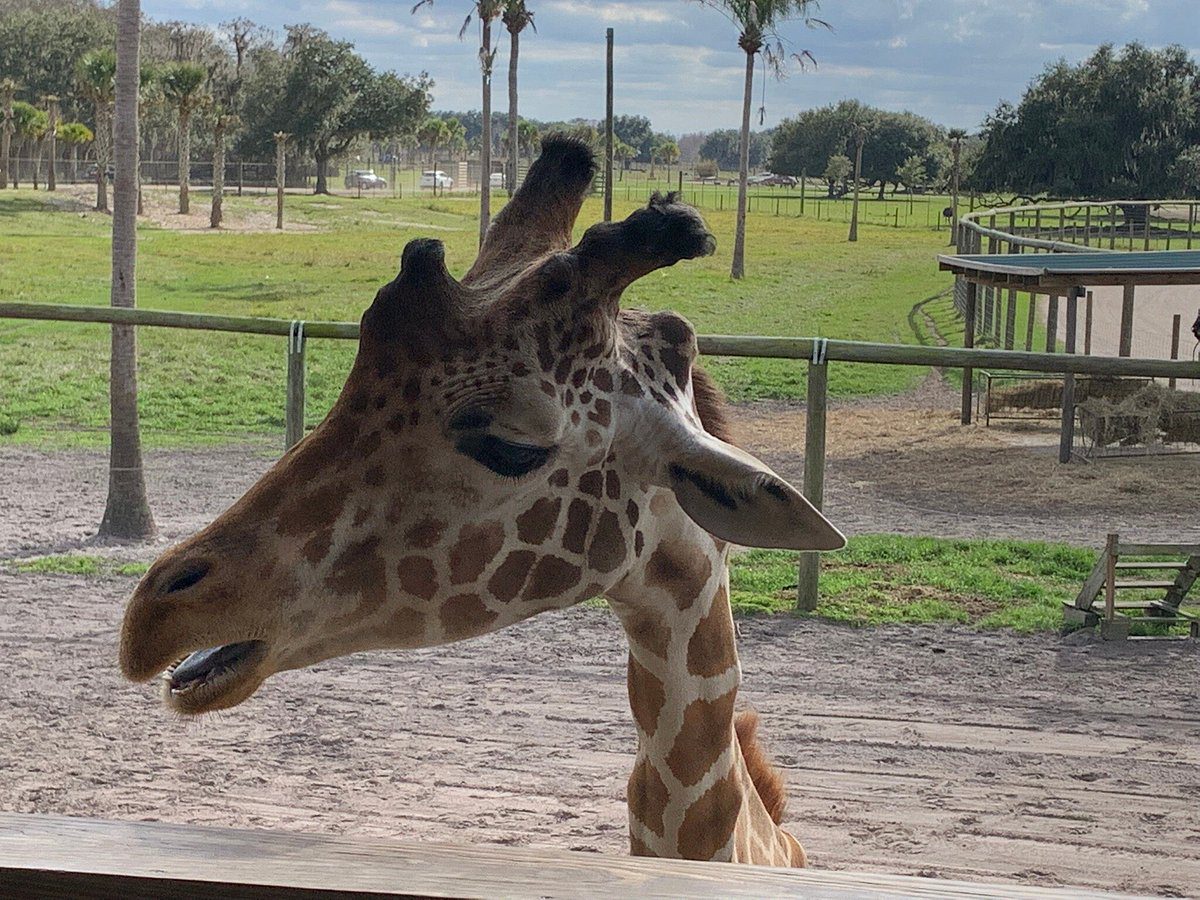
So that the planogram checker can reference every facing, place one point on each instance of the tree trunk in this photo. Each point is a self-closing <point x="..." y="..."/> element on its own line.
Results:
<point x="738" y="269"/>
<point x="185" y="158"/>
<point x="102" y="144"/>
<point x="74" y="163"/>
<point x="5" y="137"/>
<point x="857" y="174"/>
<point x="52" y="147"/>
<point x="36" y="152"/>
<point x="513" y="119"/>
<point x="322" y="159"/>
<point x="218" y="178"/>
<point x="127" y="511"/>
<point x="485" y="154"/>
<point x="882" y="185"/>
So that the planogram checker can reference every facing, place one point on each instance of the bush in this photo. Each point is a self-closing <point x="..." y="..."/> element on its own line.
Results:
<point x="8" y="424"/>
<point x="706" y="168"/>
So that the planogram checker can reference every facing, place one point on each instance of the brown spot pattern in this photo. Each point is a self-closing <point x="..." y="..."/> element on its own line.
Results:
<point x="646" y="696"/>
<point x="709" y="822"/>
<point x="425" y="533"/>
<point x="579" y="517"/>
<point x="465" y="615"/>
<point x="477" y="546"/>
<point x="535" y="524"/>
<point x="552" y="577"/>
<point x="647" y="796"/>
<point x="607" y="549"/>
<point x="417" y="576"/>
<point x="706" y="733"/>
<point x="678" y="569"/>
<point x="711" y="649"/>
<point x="612" y="484"/>
<point x="359" y="569"/>
<point x="649" y="630"/>
<point x="508" y="579"/>
<point x="592" y="483"/>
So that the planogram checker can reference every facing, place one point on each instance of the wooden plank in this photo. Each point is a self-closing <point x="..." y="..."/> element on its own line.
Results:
<point x="1143" y="585"/>
<point x="711" y="345"/>
<point x="968" y="376"/>
<point x="1157" y="564"/>
<point x="55" y="857"/>
<point x="1092" y="585"/>
<point x="809" y="564"/>
<point x="1132" y="549"/>
<point x="1110" y="569"/>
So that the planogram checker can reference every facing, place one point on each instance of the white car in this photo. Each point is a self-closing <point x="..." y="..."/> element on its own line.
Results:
<point x="436" y="179"/>
<point x="496" y="181"/>
<point x="364" y="178"/>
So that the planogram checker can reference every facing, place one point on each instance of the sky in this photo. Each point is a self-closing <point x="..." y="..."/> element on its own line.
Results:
<point x="678" y="62"/>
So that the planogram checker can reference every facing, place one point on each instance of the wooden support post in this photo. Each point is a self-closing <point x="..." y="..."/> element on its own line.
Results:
<point x="608" y="127"/>
<point x="1087" y="227"/>
<point x="1175" y="323"/>
<point x="1191" y="223"/>
<point x="1052" y="323"/>
<point x="1029" y="323"/>
<point x="1146" y="229"/>
<point x="809" y="567"/>
<point x="1087" y="324"/>
<point x="1126" y="339"/>
<point x="1010" y="321"/>
<point x="1067" y="436"/>
<point x="1112" y="233"/>
<point x="294" y="414"/>
<point x="280" y="175"/>
<point x="1111" y="544"/>
<point x="968" y="374"/>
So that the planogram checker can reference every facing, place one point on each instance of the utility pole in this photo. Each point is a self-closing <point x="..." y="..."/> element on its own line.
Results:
<point x="608" y="130"/>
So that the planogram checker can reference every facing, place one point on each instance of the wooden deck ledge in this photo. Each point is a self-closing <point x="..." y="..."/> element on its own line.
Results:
<point x="58" y="857"/>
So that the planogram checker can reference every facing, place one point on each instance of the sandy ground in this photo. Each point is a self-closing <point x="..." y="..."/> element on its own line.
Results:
<point x="936" y="751"/>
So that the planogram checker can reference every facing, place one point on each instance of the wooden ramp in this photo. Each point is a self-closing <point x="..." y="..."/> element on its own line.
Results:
<point x="58" y="857"/>
<point x="1171" y="569"/>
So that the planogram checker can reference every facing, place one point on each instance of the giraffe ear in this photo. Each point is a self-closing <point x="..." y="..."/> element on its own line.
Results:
<point x="736" y="497"/>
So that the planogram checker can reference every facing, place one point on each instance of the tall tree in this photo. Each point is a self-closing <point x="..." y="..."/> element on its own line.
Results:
<point x="517" y="16"/>
<point x="956" y="137"/>
<point x="52" y="110"/>
<point x="97" y="74"/>
<point x="127" y="510"/>
<point x="8" y="88"/>
<point x="75" y="135"/>
<point x="487" y="11"/>
<point x="30" y="124"/>
<point x="182" y="85"/>
<point x="757" y="22"/>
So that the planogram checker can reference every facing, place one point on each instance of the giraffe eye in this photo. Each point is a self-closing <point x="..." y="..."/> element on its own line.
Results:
<point x="505" y="458"/>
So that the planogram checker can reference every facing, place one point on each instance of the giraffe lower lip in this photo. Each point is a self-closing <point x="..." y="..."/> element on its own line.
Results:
<point x="213" y="665"/>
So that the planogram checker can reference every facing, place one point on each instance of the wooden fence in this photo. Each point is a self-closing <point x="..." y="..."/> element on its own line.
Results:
<point x="56" y="857"/>
<point x="816" y="353"/>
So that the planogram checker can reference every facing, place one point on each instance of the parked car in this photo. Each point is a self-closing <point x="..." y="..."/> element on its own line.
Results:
<point x="436" y="179"/>
<point x="364" y="178"/>
<point x="497" y="181"/>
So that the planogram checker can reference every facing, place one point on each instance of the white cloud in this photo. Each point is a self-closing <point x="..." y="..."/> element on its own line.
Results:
<point x="613" y="12"/>
<point x="899" y="42"/>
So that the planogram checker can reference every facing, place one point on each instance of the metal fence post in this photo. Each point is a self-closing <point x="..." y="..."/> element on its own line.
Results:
<point x="294" y="415"/>
<point x="809" y="566"/>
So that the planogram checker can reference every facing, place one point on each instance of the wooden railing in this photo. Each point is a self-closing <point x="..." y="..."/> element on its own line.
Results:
<point x="815" y="352"/>
<point x="57" y="857"/>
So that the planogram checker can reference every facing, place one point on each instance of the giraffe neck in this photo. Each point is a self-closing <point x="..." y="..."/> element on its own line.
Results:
<point x="691" y="795"/>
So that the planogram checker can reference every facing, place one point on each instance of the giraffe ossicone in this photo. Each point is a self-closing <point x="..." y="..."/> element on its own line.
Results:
<point x="504" y="445"/>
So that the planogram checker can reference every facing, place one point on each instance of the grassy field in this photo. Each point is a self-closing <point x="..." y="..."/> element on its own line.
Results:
<point x="876" y="580"/>
<point x="804" y="279"/>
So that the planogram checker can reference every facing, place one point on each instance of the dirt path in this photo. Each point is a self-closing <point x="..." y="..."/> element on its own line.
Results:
<point x="915" y="750"/>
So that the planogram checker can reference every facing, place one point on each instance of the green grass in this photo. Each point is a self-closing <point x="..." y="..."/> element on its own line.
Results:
<point x="72" y="564"/>
<point x="877" y="580"/>
<point x="804" y="279"/>
<point x="886" y="579"/>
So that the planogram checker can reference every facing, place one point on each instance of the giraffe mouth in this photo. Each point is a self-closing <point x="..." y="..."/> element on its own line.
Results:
<point x="214" y="678"/>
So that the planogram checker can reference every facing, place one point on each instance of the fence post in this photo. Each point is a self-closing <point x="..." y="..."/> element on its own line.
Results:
<point x="1010" y="320"/>
<point x="1125" y="347"/>
<point x="809" y="566"/>
<point x="1066" y="438"/>
<point x="968" y="374"/>
<point x="294" y="415"/>
<point x="1052" y="324"/>
<point x="1175" y="323"/>
<point x="1087" y="324"/>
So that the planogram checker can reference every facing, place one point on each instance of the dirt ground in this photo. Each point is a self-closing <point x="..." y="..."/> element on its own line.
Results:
<point x="936" y="751"/>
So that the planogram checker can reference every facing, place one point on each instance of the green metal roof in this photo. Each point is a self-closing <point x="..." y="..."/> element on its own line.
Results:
<point x="1085" y="269"/>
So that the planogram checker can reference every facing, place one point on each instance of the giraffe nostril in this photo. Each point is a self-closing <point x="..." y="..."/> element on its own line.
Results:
<point x="190" y="576"/>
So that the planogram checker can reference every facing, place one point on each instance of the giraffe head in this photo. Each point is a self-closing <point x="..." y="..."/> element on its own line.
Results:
<point x="494" y="454"/>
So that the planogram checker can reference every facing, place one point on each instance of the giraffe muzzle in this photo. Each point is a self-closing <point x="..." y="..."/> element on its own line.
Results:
<point x="214" y="678"/>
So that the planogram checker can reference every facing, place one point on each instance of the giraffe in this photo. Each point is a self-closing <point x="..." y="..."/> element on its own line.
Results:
<point x="504" y="445"/>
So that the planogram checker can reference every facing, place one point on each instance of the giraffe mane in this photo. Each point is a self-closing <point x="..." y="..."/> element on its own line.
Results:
<point x="767" y="780"/>
<point x="711" y="406"/>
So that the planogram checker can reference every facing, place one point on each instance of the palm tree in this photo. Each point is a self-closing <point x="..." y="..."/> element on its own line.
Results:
<point x="956" y="136"/>
<point x="97" y="73"/>
<point x="486" y="11"/>
<point x="8" y="88"/>
<point x="432" y="133"/>
<point x="51" y="139"/>
<point x="30" y="124"/>
<point x="516" y="17"/>
<point x="127" y="511"/>
<point x="73" y="134"/>
<point x="757" y="22"/>
<point x="222" y="123"/>
<point x="860" y="138"/>
<point x="182" y="86"/>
